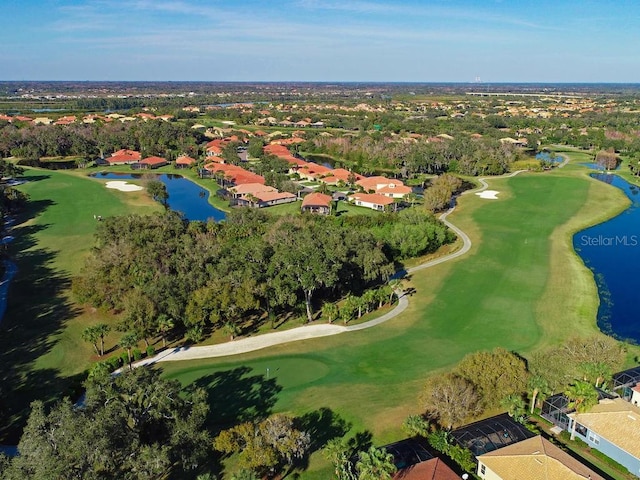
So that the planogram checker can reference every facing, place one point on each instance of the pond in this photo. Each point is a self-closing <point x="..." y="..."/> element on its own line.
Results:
<point x="184" y="195"/>
<point x="611" y="250"/>
<point x="549" y="157"/>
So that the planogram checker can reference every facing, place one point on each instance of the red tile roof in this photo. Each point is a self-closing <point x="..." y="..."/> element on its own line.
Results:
<point x="124" y="156"/>
<point x="373" y="198"/>
<point x="237" y="175"/>
<point x="283" y="152"/>
<point x="371" y="183"/>
<point x="252" y="188"/>
<point x="270" y="196"/>
<point x="154" y="161"/>
<point x="316" y="199"/>
<point x="434" y="469"/>
<point x="185" y="160"/>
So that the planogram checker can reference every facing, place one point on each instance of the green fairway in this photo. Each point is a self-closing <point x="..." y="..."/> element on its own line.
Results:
<point x="41" y="349"/>
<point x="508" y="291"/>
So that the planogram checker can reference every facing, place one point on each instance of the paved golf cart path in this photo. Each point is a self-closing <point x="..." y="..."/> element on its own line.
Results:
<point x="250" y="344"/>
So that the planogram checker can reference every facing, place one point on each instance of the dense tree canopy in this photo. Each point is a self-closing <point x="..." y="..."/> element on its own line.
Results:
<point x="253" y="264"/>
<point x="135" y="425"/>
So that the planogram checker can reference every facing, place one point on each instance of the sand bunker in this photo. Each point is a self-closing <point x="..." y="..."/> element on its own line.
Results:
<point x="124" y="186"/>
<point x="488" y="194"/>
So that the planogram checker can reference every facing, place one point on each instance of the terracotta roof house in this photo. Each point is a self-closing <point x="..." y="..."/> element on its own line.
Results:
<point x="532" y="459"/>
<point x="288" y="141"/>
<point x="313" y="171"/>
<point x="394" y="191"/>
<point x="433" y="469"/>
<point x="376" y="182"/>
<point x="385" y="186"/>
<point x="317" y="203"/>
<point x="152" y="162"/>
<point x="214" y="147"/>
<point x="124" y="157"/>
<point x="283" y="152"/>
<point x="250" y="189"/>
<point x="613" y="428"/>
<point x="234" y="174"/>
<point x="266" y="199"/>
<point x="184" y="161"/>
<point x="6" y="118"/>
<point x="66" y="120"/>
<point x="340" y="174"/>
<point x="371" y="200"/>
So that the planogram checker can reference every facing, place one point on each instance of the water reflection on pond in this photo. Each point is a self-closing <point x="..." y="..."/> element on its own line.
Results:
<point x="184" y="195"/>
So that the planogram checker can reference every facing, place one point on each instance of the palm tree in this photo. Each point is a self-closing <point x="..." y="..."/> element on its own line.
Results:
<point x="102" y="329"/>
<point x="128" y="341"/>
<point x="582" y="396"/>
<point x="396" y="288"/>
<point x="330" y="311"/>
<point x="91" y="335"/>
<point x="165" y="325"/>
<point x="368" y="299"/>
<point x="538" y="386"/>
<point x="375" y="464"/>
<point x="595" y="372"/>
<point x="515" y="407"/>
<point x="232" y="329"/>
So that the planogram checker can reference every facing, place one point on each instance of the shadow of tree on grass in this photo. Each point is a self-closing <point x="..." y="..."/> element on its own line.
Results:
<point x="37" y="308"/>
<point x="237" y="396"/>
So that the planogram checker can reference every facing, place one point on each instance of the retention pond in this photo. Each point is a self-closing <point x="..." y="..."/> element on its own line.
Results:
<point x="611" y="250"/>
<point x="185" y="196"/>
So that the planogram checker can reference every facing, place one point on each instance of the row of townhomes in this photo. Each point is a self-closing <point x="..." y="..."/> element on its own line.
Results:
<point x="248" y="189"/>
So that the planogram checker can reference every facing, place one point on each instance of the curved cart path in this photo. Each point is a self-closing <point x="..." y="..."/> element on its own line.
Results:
<point x="306" y="332"/>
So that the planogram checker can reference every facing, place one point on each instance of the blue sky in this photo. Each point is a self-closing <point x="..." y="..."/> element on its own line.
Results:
<point x="318" y="40"/>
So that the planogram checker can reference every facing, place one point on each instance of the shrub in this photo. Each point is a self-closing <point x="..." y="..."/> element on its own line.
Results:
<point x="151" y="351"/>
<point x="137" y="354"/>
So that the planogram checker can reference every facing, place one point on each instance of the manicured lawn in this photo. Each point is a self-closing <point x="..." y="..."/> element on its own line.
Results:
<point x="41" y="349"/>
<point x="520" y="287"/>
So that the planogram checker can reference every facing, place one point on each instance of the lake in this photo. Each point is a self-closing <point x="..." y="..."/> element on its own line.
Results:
<point x="184" y="195"/>
<point x="611" y="250"/>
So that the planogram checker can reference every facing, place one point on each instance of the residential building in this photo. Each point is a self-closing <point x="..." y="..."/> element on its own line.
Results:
<point x="433" y="469"/>
<point x="151" y="163"/>
<point x="233" y="174"/>
<point x="317" y="203"/>
<point x="184" y="161"/>
<point x="266" y="199"/>
<point x="388" y="187"/>
<point x="124" y="157"/>
<point x="613" y="428"/>
<point x="371" y="200"/>
<point x="532" y="459"/>
<point x="250" y="189"/>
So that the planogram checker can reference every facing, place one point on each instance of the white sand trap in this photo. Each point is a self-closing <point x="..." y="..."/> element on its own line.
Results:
<point x="124" y="186"/>
<point x="488" y="194"/>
